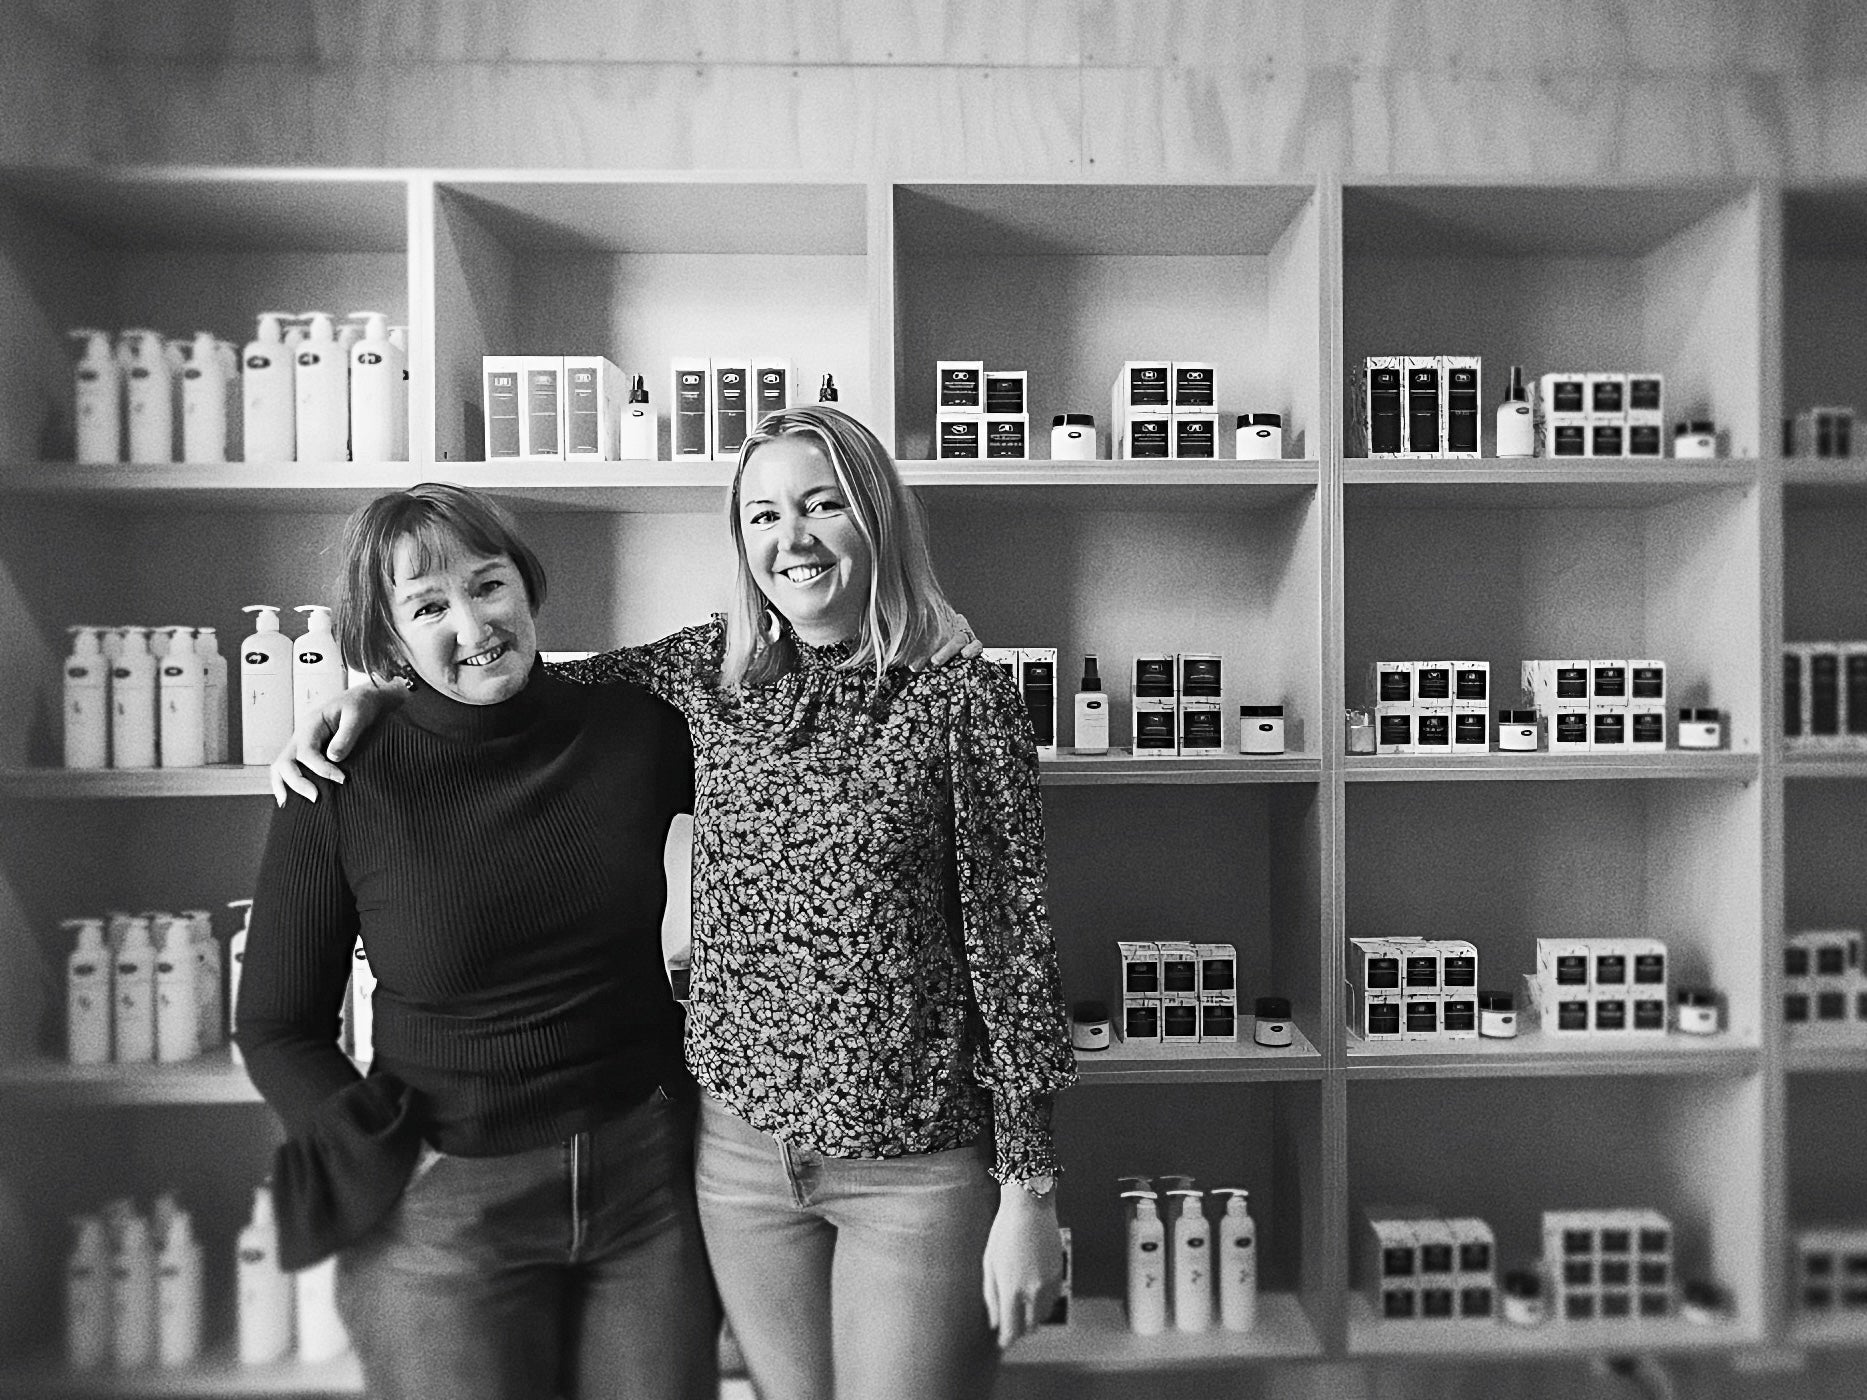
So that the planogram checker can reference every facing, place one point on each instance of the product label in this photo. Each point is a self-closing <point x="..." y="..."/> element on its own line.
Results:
<point x="502" y="414"/>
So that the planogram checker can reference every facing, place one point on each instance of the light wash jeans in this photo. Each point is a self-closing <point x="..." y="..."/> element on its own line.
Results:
<point x="849" y="1278"/>
<point x="573" y="1270"/>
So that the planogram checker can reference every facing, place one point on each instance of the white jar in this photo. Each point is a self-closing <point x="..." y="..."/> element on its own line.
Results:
<point x="1261" y="729"/>
<point x="1073" y="437"/>
<point x="1701" y="729"/>
<point x="1697" y="439"/>
<point x="1260" y="437"/>
<point x="1517" y="731"/>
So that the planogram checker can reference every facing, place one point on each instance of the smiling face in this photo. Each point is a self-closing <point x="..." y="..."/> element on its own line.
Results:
<point x="801" y="541"/>
<point x="465" y="625"/>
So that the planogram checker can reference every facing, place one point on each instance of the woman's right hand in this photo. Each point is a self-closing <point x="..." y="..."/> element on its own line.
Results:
<point x="325" y="737"/>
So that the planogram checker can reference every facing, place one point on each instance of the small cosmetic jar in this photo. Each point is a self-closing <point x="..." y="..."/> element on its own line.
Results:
<point x="1701" y="729"/>
<point x="1517" y="731"/>
<point x="1260" y="437"/>
<point x="1073" y="437"/>
<point x="1523" y="1299"/>
<point x="1695" y="439"/>
<point x="1360" y="731"/>
<point x="1273" y="1027"/>
<point x="1260" y="728"/>
<point x="1696" y="1011"/>
<point x="1497" y="1015"/>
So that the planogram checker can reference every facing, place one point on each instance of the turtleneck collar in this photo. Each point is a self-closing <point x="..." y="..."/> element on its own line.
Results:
<point x="440" y="714"/>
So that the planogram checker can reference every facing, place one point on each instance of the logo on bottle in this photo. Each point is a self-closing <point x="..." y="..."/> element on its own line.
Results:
<point x="258" y="362"/>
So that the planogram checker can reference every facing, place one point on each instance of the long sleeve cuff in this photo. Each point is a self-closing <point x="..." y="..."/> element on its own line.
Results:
<point x="1023" y="1144"/>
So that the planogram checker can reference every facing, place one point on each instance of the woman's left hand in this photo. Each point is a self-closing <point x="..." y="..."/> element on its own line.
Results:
<point x="1023" y="1262"/>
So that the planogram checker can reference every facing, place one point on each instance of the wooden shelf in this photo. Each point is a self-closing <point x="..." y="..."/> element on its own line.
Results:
<point x="1132" y="1062"/>
<point x="1369" y="1335"/>
<point x="1532" y="767"/>
<point x="1534" y="1054"/>
<point x="67" y="784"/>
<point x="213" y="1078"/>
<point x="1098" y="1339"/>
<point x="215" y="1377"/>
<point x="1123" y="768"/>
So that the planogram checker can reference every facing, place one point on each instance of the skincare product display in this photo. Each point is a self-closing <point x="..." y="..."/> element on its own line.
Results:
<point x="1609" y="1265"/>
<point x="1421" y="405"/>
<point x="1818" y="432"/>
<point x="1432" y="707"/>
<point x="1605" y="415"/>
<point x="1830" y="1271"/>
<point x="143" y="988"/>
<point x="1824" y="985"/>
<point x="1825" y="695"/>
<point x="1599" y="986"/>
<point x="1416" y="1265"/>
<point x="985" y="413"/>
<point x="145" y="697"/>
<point x="1412" y="989"/>
<point x="1172" y="993"/>
<point x="1184" y="1271"/>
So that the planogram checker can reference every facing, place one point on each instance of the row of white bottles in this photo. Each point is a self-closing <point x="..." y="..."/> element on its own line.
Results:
<point x="145" y="697"/>
<point x="1173" y="1263"/>
<point x="139" y="697"/>
<point x="311" y="392"/>
<point x="143" y="988"/>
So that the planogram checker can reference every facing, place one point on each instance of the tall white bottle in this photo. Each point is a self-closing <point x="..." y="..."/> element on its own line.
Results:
<point x="265" y="687"/>
<point x="182" y="701"/>
<point x="133" y="703"/>
<point x="214" y="692"/>
<point x="88" y="994"/>
<point x="1147" y="1271"/>
<point x="204" y="398"/>
<point x="133" y="997"/>
<point x="321" y="1335"/>
<point x="269" y="393"/>
<point x="1237" y="1262"/>
<point x="178" y="1285"/>
<point x="87" y="701"/>
<point x="208" y="978"/>
<point x="265" y="1289"/>
<point x="87" y="1295"/>
<point x="398" y="337"/>
<point x="132" y="1289"/>
<point x="149" y="395"/>
<point x="377" y="373"/>
<point x="98" y="399"/>
<point x="323" y="393"/>
<point x="236" y="962"/>
<point x="639" y="438"/>
<point x="1192" y="1263"/>
<point x="178" y="1005"/>
<point x="317" y="666"/>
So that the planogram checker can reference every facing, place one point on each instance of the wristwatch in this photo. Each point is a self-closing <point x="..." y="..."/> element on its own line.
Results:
<point x="1039" y="1186"/>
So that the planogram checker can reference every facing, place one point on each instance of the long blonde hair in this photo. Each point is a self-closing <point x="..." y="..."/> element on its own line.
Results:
<point x="906" y="614"/>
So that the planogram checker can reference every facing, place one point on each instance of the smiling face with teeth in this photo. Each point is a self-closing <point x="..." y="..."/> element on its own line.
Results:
<point x="803" y="545"/>
<point x="465" y="625"/>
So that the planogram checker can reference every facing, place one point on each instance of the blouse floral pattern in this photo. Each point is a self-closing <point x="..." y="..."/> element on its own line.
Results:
<point x="873" y="967"/>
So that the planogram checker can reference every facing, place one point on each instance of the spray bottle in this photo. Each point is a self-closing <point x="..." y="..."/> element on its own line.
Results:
<point x="1147" y="1274"/>
<point x="132" y="1288"/>
<point x="133" y="702"/>
<point x="269" y="393"/>
<point x="87" y="701"/>
<point x="182" y="701"/>
<point x="207" y="977"/>
<point x="323" y="393"/>
<point x="133" y="995"/>
<point x="1192" y="1263"/>
<point x="178" y="1005"/>
<point x="99" y="400"/>
<point x="377" y="373"/>
<point x="87" y="1295"/>
<point x="265" y="1290"/>
<point x="317" y="666"/>
<point x="236" y="960"/>
<point x="204" y="401"/>
<point x="214" y="693"/>
<point x="265" y="687"/>
<point x="149" y="378"/>
<point x="178" y="1285"/>
<point x="87" y="994"/>
<point x="1237" y="1262"/>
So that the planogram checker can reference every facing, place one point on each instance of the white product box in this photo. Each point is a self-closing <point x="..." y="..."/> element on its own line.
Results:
<point x="1423" y="410"/>
<point x="1383" y="387"/>
<point x="1393" y="682"/>
<point x="1475" y="1252"/>
<point x="1179" y="1019"/>
<point x="1432" y="683"/>
<point x="1037" y="682"/>
<point x="1471" y="730"/>
<point x="1141" y="435"/>
<point x="593" y="393"/>
<point x="1419" y="1016"/>
<point x="1218" y="1017"/>
<point x="774" y="386"/>
<point x="1393" y="729"/>
<point x="1432" y="729"/>
<point x="1462" y="416"/>
<point x="1646" y="729"/>
<point x="959" y="436"/>
<point x="1218" y="968"/>
<point x="1193" y="387"/>
<point x="961" y="386"/>
<point x="1569" y="728"/>
<point x="1154" y="711"/>
<point x="1471" y="684"/>
<point x="690" y="408"/>
<point x="1607" y="685"/>
<point x="730" y="390"/>
<point x="1007" y="436"/>
<point x="1005" y="395"/>
<point x="500" y="399"/>
<point x="1196" y="436"/>
<point x="1565" y="415"/>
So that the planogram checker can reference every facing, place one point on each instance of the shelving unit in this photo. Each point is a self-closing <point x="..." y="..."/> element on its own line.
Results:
<point x="1301" y="573"/>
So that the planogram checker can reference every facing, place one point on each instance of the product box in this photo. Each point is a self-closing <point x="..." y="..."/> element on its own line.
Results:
<point x="1141" y="435"/>
<point x="1565" y="415"/>
<point x="1005" y="393"/>
<point x="1424" y="407"/>
<point x="1196" y="436"/>
<point x="1432" y="683"/>
<point x="1471" y="730"/>
<point x="1607" y="686"/>
<point x="1384" y="391"/>
<point x="731" y="382"/>
<point x="1193" y="387"/>
<point x="1393" y="682"/>
<point x="1218" y="968"/>
<point x="1569" y="728"/>
<point x="959" y="436"/>
<point x="1007" y="435"/>
<point x="1037" y="682"/>
<point x="1153" y="708"/>
<point x="773" y="383"/>
<point x="690" y="408"/>
<point x="499" y="379"/>
<point x="1475" y="1254"/>
<point x="1373" y="1016"/>
<point x="594" y="390"/>
<point x="1471" y="685"/>
<point x="1432" y="729"/>
<point x="961" y="386"/>
<point x="1387" y="1265"/>
<point x="1393" y="729"/>
<point x="1460" y="381"/>
<point x="1218" y="1017"/>
<point x="1179" y="1019"/>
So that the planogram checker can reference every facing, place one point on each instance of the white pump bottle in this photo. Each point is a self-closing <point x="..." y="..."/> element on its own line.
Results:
<point x="214" y="693"/>
<point x="98" y="400"/>
<point x="178" y="1006"/>
<point x="133" y="702"/>
<point x="149" y="392"/>
<point x="87" y="701"/>
<point x="87" y="1295"/>
<point x="269" y="393"/>
<point x="204" y="401"/>
<point x="178" y="1285"/>
<point x="182" y="700"/>
<point x="1192" y="1263"/>
<point x="265" y="1289"/>
<point x="323" y="393"/>
<point x="265" y="687"/>
<point x="378" y="371"/>
<point x="1147" y="1271"/>
<point x="87" y="994"/>
<point x="317" y="666"/>
<point x="1237" y="1264"/>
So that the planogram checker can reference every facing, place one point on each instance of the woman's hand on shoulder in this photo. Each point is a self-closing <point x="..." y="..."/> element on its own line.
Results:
<point x="1023" y="1262"/>
<point x="324" y="738"/>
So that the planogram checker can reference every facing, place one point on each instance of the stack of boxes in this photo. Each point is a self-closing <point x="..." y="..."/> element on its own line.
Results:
<point x="1825" y="695"/>
<point x="1412" y="989"/>
<point x="1035" y="671"/>
<point x="1178" y="705"/>
<point x="1600" y="706"/>
<point x="1604" y="415"/>
<point x="713" y="403"/>
<point x="1831" y="1270"/>
<point x="1586" y="986"/>
<point x="552" y="408"/>
<point x="1178" y="993"/>
<point x="1609" y="1265"/>
<point x="1164" y="408"/>
<point x="1423" y="405"/>
<point x="1823" y="983"/>
<point x="981" y="412"/>
<point x="1432" y="707"/>
<point x="1416" y="1265"/>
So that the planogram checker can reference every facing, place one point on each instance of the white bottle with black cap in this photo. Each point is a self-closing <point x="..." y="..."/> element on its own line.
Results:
<point x="1092" y="711"/>
<point x="1260" y="437"/>
<point x="1073" y="437"/>
<point x="265" y="687"/>
<point x="98" y="400"/>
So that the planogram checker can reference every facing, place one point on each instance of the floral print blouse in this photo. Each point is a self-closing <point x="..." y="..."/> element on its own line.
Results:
<point x="873" y="968"/>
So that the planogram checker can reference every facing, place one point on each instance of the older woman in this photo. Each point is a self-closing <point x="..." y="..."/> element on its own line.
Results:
<point x="509" y="1190"/>
<point x="877" y="1022"/>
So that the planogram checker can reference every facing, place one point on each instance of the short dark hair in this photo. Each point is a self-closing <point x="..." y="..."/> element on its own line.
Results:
<point x="437" y="518"/>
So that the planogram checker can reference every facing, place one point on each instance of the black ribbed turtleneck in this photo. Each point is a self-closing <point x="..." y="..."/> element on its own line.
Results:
<point x="503" y="866"/>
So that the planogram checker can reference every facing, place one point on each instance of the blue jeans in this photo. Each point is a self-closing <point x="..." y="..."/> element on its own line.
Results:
<point x="852" y="1278"/>
<point x="573" y="1270"/>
